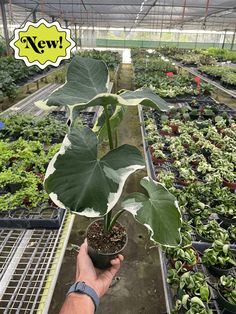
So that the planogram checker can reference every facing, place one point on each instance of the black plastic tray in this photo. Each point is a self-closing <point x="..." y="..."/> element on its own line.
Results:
<point x="23" y="218"/>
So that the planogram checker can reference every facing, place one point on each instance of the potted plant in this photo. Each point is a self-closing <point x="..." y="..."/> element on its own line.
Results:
<point x="191" y="288"/>
<point x="229" y="179"/>
<point x="80" y="181"/>
<point x="158" y="157"/>
<point x="166" y="130"/>
<point x="210" y="231"/>
<point x="227" y="212"/>
<point x="194" y="284"/>
<point x="227" y="293"/>
<point x="187" y="255"/>
<point x="186" y="176"/>
<point x="166" y="177"/>
<point x="219" y="258"/>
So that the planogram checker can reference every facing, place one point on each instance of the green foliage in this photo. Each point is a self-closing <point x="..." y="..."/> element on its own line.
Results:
<point x="219" y="255"/>
<point x="12" y="72"/>
<point x="222" y="54"/>
<point x="227" y="287"/>
<point x="111" y="58"/>
<point x="29" y="127"/>
<point x="211" y="231"/>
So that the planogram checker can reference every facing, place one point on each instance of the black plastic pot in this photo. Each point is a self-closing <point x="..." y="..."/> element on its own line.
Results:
<point x="218" y="272"/>
<point x="227" y="222"/>
<point x="203" y="239"/>
<point x="102" y="260"/>
<point x="225" y="304"/>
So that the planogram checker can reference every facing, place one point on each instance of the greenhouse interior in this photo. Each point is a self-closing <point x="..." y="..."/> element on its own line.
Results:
<point x="118" y="176"/>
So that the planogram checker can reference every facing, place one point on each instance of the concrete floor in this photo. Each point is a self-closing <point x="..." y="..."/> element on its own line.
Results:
<point x="138" y="286"/>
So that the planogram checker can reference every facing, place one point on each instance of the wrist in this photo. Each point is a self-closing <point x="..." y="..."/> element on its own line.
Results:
<point x="80" y="297"/>
<point x="90" y="284"/>
<point x="82" y="288"/>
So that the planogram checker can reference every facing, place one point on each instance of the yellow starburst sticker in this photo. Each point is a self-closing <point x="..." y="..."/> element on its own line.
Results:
<point x="42" y="43"/>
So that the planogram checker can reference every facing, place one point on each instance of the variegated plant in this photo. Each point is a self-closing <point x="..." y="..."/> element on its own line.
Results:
<point x="77" y="179"/>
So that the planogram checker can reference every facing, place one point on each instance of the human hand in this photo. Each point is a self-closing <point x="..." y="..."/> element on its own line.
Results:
<point x="97" y="279"/>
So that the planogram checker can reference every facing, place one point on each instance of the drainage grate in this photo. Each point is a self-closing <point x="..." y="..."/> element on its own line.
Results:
<point x="26" y="260"/>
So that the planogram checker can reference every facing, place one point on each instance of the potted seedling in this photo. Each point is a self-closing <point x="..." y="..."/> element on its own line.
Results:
<point x="158" y="157"/>
<point x="186" y="176"/>
<point x="165" y="130"/>
<point x="211" y="231"/>
<point x="78" y="180"/>
<point x="227" y="213"/>
<point x="174" y="124"/>
<point x="219" y="258"/>
<point x="227" y="293"/>
<point x="190" y="286"/>
<point x="166" y="177"/>
<point x="187" y="255"/>
<point x="229" y="179"/>
<point x="194" y="284"/>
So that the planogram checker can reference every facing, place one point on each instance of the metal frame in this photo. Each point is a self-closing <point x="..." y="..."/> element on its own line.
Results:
<point x="30" y="261"/>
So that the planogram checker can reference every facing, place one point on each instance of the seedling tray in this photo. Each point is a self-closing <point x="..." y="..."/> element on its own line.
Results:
<point x="23" y="218"/>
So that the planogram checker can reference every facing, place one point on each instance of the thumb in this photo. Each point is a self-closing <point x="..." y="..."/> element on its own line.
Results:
<point x="84" y="247"/>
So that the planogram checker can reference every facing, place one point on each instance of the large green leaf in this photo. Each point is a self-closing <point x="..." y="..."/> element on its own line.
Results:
<point x="86" y="78"/>
<point x="143" y="97"/>
<point x="146" y="97"/>
<point x="78" y="180"/>
<point x="159" y="212"/>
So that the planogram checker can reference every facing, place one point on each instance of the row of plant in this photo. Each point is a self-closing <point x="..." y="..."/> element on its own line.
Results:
<point x="206" y="63"/>
<point x="226" y="74"/>
<point x="200" y="56"/>
<point x="111" y="58"/>
<point x="164" y="78"/>
<point x="194" y="156"/>
<point x="13" y="72"/>
<point x="27" y="144"/>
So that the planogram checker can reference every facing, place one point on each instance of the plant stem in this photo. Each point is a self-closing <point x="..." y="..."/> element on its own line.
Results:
<point x="114" y="219"/>
<point x="108" y="128"/>
<point x="116" y="139"/>
<point x="107" y="218"/>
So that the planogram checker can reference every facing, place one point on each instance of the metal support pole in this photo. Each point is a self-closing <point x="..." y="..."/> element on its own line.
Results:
<point x="76" y="37"/>
<point x="66" y="23"/>
<point x="196" y="41"/>
<point x="232" y="43"/>
<point x="53" y="18"/>
<point x="223" y="44"/>
<point x="80" y="37"/>
<point x="34" y="16"/>
<point x="5" y="29"/>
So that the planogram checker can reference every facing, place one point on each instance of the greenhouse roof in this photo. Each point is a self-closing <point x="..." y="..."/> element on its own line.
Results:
<point x="131" y="14"/>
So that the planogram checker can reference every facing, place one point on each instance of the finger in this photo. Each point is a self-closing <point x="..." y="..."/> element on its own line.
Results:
<point x="121" y="257"/>
<point x="84" y="248"/>
<point x="115" y="267"/>
<point x="117" y="260"/>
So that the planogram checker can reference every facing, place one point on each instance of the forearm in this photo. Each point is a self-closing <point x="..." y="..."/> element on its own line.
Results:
<point x="77" y="303"/>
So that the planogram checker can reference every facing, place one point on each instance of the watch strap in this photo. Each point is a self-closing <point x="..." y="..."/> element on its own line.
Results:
<point x="81" y="287"/>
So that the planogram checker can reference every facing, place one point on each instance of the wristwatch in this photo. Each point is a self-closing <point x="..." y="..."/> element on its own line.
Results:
<point x="81" y="287"/>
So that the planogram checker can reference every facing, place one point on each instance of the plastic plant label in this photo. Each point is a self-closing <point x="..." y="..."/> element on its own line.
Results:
<point x="2" y="125"/>
<point x="42" y="44"/>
